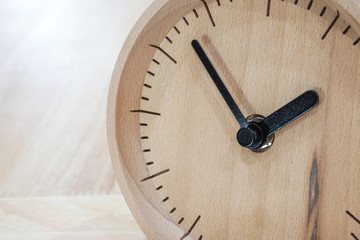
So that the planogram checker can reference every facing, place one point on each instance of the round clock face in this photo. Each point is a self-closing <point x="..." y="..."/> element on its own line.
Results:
<point x="189" y="163"/>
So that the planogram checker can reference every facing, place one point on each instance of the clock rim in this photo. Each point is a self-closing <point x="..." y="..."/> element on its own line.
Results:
<point x="164" y="229"/>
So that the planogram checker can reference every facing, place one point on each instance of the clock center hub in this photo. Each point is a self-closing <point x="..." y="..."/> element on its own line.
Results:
<point x="252" y="137"/>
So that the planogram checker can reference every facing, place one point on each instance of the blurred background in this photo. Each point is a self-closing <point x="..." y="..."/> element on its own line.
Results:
<point x="56" y="61"/>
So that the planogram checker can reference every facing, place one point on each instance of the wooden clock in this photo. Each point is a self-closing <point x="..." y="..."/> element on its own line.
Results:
<point x="240" y="119"/>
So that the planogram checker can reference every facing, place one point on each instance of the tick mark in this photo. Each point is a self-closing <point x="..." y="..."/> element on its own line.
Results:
<point x="191" y="228"/>
<point x="150" y="163"/>
<point x="143" y="124"/>
<point x="165" y="199"/>
<point x="196" y="14"/>
<point x="151" y="73"/>
<point x="147" y="85"/>
<point x="145" y="137"/>
<point x="354" y="236"/>
<point x="200" y="237"/>
<point x="146" y="112"/>
<point x="310" y="4"/>
<point x="218" y="2"/>
<point x="165" y="53"/>
<point x="346" y="30"/>
<point x="208" y="12"/>
<point x="155" y="61"/>
<point x="180" y="221"/>
<point x="186" y="21"/>
<point x="155" y="175"/>
<point x="159" y="187"/>
<point x="176" y="29"/>
<point x="296" y="2"/>
<point x="353" y="217"/>
<point x="145" y="98"/>
<point x="356" y="42"/>
<point x="172" y="210"/>
<point x="169" y="40"/>
<point x="323" y="12"/>
<point x="268" y="8"/>
<point x="146" y="150"/>
<point x="331" y="25"/>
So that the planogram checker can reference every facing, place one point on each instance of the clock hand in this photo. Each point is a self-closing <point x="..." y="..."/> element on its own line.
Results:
<point x="257" y="132"/>
<point x="291" y="111"/>
<point x="252" y="135"/>
<point x="219" y="84"/>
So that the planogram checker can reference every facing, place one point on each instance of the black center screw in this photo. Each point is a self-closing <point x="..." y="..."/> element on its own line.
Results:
<point x="253" y="136"/>
<point x="246" y="137"/>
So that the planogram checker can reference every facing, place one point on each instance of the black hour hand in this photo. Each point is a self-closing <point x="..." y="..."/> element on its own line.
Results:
<point x="291" y="111"/>
<point x="256" y="133"/>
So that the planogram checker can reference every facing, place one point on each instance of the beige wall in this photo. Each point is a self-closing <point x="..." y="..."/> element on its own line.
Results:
<point x="56" y="61"/>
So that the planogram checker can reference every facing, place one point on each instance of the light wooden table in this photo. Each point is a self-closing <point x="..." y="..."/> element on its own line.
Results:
<point x="56" y="60"/>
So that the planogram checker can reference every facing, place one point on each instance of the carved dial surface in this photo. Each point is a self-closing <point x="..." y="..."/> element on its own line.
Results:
<point x="189" y="166"/>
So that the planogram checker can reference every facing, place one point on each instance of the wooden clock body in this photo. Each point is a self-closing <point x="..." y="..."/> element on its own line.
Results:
<point x="173" y="140"/>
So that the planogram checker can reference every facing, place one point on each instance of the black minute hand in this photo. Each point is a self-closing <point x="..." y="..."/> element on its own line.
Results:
<point x="219" y="84"/>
